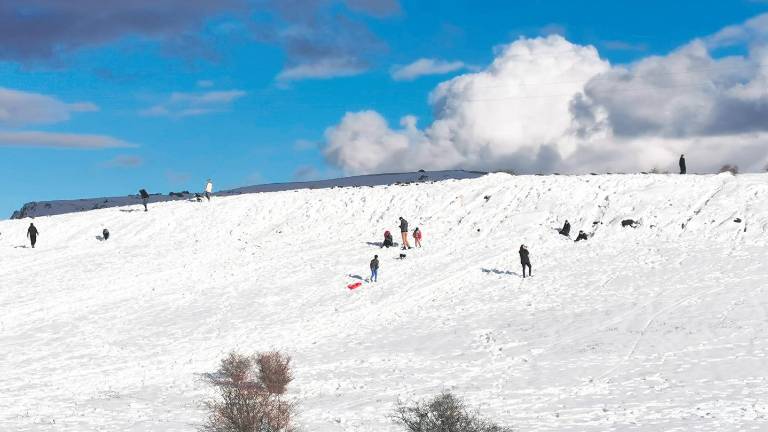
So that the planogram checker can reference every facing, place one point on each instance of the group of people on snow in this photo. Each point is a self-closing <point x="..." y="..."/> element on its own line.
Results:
<point x="32" y="231"/>
<point x="566" y="231"/>
<point x="207" y="192"/>
<point x="389" y="242"/>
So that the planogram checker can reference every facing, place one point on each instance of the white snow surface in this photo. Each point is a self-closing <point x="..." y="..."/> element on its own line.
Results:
<point x="659" y="328"/>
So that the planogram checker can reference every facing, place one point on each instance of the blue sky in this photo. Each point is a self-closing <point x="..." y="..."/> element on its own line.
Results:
<point x="243" y="91"/>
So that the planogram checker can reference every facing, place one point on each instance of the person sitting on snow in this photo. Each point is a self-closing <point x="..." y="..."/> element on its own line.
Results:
<point x="582" y="236"/>
<point x="387" y="240"/>
<point x="566" y="229"/>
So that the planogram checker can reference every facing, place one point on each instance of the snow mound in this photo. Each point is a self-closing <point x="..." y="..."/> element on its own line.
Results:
<point x="51" y="208"/>
<point x="659" y="327"/>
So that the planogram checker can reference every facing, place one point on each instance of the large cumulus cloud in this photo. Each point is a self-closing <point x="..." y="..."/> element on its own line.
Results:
<point x="548" y="105"/>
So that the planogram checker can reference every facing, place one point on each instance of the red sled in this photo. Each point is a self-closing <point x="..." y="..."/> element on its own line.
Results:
<point x="354" y="285"/>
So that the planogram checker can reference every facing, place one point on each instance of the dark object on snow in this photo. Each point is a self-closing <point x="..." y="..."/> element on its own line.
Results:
<point x="198" y="197"/>
<point x="737" y="220"/>
<point x="32" y="233"/>
<point x="582" y="236"/>
<point x="402" y="256"/>
<point x="388" y="242"/>
<point x="525" y="260"/>
<point x="629" y="223"/>
<point x="144" y="198"/>
<point x="566" y="229"/>
<point x="487" y="197"/>
<point x="682" y="164"/>
<point x="105" y="234"/>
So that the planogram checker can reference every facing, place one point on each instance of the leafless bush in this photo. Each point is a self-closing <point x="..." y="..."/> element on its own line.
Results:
<point x="250" y="394"/>
<point x="443" y="413"/>
<point x="733" y="169"/>
<point x="274" y="371"/>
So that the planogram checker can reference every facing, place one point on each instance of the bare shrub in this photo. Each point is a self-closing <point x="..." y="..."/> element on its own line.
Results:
<point x="733" y="169"/>
<point x="274" y="371"/>
<point x="443" y="413"/>
<point x="250" y="392"/>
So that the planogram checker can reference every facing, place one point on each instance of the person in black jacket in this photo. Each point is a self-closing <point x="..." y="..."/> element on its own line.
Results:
<point x="582" y="236"/>
<point x="374" y="268"/>
<point x="105" y="234"/>
<point x="144" y="198"/>
<point x="32" y="233"/>
<point x="525" y="260"/>
<point x="388" y="242"/>
<point x="404" y="233"/>
<point x="566" y="229"/>
<point x="682" y="164"/>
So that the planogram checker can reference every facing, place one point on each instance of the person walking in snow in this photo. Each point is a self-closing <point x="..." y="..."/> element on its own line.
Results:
<point x="582" y="236"/>
<point x="388" y="242"/>
<point x="525" y="260"/>
<point x="404" y="233"/>
<point x="208" y="189"/>
<point x="375" y="268"/>
<point x="417" y="237"/>
<point x="105" y="234"/>
<point x="144" y="198"/>
<point x="32" y="234"/>
<point x="682" y="164"/>
<point x="566" y="229"/>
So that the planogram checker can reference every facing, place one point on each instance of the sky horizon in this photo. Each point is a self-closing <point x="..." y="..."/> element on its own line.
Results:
<point x="104" y="99"/>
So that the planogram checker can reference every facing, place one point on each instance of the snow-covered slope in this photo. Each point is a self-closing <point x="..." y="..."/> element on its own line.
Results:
<point x="663" y="327"/>
<point x="51" y="208"/>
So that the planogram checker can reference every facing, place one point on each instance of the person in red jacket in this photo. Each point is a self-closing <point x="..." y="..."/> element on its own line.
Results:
<point x="417" y="237"/>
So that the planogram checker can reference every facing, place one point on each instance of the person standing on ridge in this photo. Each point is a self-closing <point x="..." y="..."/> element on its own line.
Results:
<point x="144" y="198"/>
<point x="417" y="237"/>
<point x="525" y="260"/>
<point x="375" y="268"/>
<point x="404" y="233"/>
<point x="682" y="164"/>
<point x="105" y="234"/>
<point x="32" y="233"/>
<point x="208" y="189"/>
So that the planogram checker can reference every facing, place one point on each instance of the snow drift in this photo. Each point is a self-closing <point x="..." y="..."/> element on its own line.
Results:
<point x="662" y="327"/>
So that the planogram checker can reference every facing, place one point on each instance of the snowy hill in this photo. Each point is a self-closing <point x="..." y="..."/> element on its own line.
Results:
<point x="51" y="208"/>
<point x="663" y="327"/>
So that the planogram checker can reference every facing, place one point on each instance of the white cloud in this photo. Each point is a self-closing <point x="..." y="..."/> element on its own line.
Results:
<point x="304" y="145"/>
<point x="59" y="140"/>
<point x="125" y="161"/>
<point x="754" y="30"/>
<point x="180" y="104"/>
<point x="547" y="105"/>
<point x="18" y="108"/>
<point x="423" y="67"/>
<point x="205" y="83"/>
<point x="323" y="69"/>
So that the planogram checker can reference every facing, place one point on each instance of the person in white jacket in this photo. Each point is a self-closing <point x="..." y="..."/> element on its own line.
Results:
<point x="208" y="189"/>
